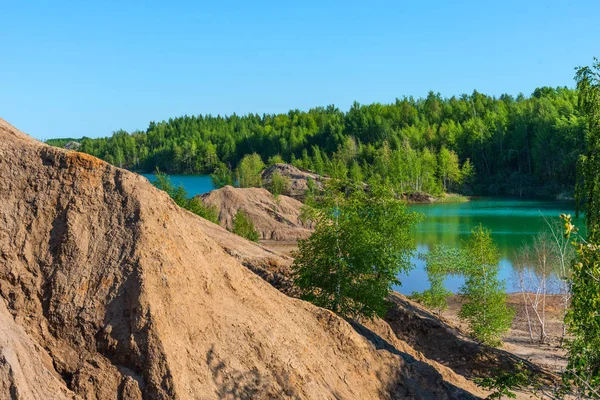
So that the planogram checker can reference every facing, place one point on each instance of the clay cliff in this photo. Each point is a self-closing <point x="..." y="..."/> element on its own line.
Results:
<point x="108" y="290"/>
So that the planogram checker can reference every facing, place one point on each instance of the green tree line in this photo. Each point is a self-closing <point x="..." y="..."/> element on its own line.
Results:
<point x="515" y="145"/>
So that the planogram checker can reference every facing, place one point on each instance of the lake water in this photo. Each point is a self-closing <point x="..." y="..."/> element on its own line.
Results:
<point x="511" y="221"/>
<point x="193" y="184"/>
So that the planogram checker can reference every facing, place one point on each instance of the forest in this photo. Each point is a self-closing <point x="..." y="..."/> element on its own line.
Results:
<point x="518" y="146"/>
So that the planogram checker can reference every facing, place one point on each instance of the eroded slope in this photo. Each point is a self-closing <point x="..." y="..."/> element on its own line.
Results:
<point x="129" y="297"/>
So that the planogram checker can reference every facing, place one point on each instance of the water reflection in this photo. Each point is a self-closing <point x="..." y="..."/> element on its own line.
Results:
<point x="512" y="224"/>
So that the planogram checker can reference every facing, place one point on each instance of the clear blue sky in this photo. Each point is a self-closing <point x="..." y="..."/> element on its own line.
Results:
<point x="78" y="68"/>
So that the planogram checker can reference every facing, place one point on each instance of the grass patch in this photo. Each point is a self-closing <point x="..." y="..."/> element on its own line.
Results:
<point x="452" y="198"/>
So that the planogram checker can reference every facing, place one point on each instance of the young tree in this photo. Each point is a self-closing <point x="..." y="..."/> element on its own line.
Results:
<point x="360" y="243"/>
<point x="279" y="184"/>
<point x="428" y="168"/>
<point x="180" y="196"/>
<point x="355" y="172"/>
<point x="177" y="193"/>
<point x="467" y="171"/>
<point x="222" y="176"/>
<point x="276" y="159"/>
<point x="565" y="254"/>
<point x="318" y="161"/>
<point x="485" y="308"/>
<point x="249" y="171"/>
<point x="449" y="168"/>
<point x="306" y="161"/>
<point x="439" y="262"/>
<point x="242" y="226"/>
<point x="535" y="265"/>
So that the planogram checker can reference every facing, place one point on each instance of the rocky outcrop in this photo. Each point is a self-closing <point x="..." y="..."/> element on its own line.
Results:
<point x="274" y="219"/>
<point x="298" y="179"/>
<point x="130" y="298"/>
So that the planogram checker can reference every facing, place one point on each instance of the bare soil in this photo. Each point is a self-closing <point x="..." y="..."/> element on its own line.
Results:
<point x="549" y="355"/>
<point x="109" y="290"/>
<point x="273" y="218"/>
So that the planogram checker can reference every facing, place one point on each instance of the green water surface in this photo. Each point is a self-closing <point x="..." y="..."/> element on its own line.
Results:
<point x="512" y="222"/>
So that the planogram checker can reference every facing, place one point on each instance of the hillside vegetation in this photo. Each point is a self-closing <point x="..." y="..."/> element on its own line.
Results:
<point x="515" y="145"/>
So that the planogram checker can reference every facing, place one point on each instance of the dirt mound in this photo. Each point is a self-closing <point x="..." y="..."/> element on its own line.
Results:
<point x="418" y="197"/>
<point x="433" y="337"/>
<point x="298" y="179"/>
<point x="273" y="219"/>
<point x="130" y="298"/>
<point x="441" y="340"/>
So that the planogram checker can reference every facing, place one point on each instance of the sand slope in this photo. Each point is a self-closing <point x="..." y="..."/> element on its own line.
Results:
<point x="130" y="297"/>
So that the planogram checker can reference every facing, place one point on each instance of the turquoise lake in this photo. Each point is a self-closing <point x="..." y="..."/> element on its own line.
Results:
<point x="511" y="221"/>
<point x="193" y="184"/>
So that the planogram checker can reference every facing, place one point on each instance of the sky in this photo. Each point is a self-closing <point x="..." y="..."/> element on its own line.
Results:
<point x="78" y="68"/>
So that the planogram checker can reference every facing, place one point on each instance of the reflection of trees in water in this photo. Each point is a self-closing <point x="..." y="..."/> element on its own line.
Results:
<point x="509" y="231"/>
<point x="539" y="269"/>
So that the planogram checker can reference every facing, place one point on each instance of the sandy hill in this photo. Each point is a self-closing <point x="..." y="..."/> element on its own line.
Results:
<point x="297" y="178"/>
<point x="108" y="290"/>
<point x="273" y="219"/>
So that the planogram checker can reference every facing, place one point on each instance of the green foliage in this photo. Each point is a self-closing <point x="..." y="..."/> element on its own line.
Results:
<point x="485" y="308"/>
<point x="180" y="196"/>
<point x="588" y="190"/>
<point x="276" y="159"/>
<point x="449" y="168"/>
<point x="355" y="172"/>
<point x="196" y="206"/>
<point x="506" y="140"/>
<point x="439" y="262"/>
<point x="242" y="226"/>
<point x="452" y="198"/>
<point x="502" y="383"/>
<point x="177" y="193"/>
<point x="249" y="171"/>
<point x="583" y="319"/>
<point x="360" y="243"/>
<point x="222" y="176"/>
<point x="279" y="184"/>
<point x="311" y="189"/>
<point x="467" y="171"/>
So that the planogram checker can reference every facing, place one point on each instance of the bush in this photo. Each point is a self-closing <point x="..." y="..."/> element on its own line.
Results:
<point x="180" y="196"/>
<point x="249" y="171"/>
<point x="360" y="244"/>
<point x="485" y="308"/>
<point x="222" y="176"/>
<point x="502" y="383"/>
<point x="279" y="184"/>
<point x="243" y="227"/>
